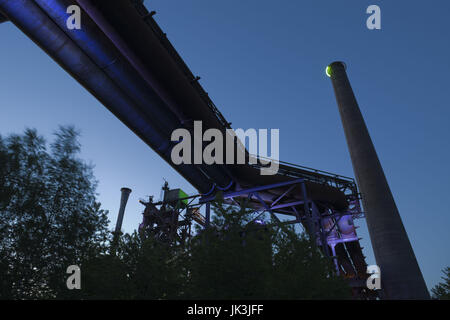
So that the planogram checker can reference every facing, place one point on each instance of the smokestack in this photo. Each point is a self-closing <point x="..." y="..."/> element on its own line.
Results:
<point x="123" y="202"/>
<point x="401" y="277"/>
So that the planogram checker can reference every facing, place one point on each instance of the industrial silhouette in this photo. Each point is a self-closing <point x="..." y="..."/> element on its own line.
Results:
<point x="123" y="58"/>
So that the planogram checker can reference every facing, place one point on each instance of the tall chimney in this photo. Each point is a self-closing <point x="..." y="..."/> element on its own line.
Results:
<point x="123" y="202"/>
<point x="401" y="277"/>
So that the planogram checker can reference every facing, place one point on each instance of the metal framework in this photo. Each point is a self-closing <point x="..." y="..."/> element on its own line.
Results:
<point x="332" y="231"/>
<point x="305" y="211"/>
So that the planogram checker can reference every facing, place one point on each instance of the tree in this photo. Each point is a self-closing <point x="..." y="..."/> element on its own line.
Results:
<point x="138" y="268"/>
<point x="240" y="259"/>
<point x="160" y="271"/>
<point x="228" y="260"/>
<point x="49" y="216"/>
<point x="442" y="290"/>
<point x="300" y="271"/>
<point x="104" y="277"/>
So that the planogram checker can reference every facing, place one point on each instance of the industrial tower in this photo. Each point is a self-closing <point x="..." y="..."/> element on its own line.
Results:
<point x="401" y="277"/>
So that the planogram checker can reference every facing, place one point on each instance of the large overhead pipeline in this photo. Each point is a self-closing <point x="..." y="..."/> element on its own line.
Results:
<point x="124" y="65"/>
<point x="37" y="25"/>
<point x="105" y="55"/>
<point x="126" y="28"/>
<point x="122" y="23"/>
<point x="135" y="39"/>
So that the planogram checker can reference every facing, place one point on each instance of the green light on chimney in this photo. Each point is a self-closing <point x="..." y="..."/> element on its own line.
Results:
<point x="328" y="71"/>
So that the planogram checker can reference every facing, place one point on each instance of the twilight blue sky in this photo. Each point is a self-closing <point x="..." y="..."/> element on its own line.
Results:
<point x="263" y="64"/>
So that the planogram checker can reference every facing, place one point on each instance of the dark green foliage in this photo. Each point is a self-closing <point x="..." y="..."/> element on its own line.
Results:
<point x="237" y="260"/>
<point x="231" y="261"/>
<point x="442" y="290"/>
<point x="160" y="273"/>
<point x="104" y="277"/>
<point x="301" y="272"/>
<point x="49" y="218"/>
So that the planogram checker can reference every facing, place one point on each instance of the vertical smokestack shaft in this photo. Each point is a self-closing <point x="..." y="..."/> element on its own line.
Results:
<point x="401" y="277"/>
<point x="123" y="202"/>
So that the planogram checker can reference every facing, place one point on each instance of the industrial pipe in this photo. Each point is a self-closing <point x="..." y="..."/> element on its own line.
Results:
<point x="120" y="21"/>
<point x="134" y="38"/>
<point x="28" y="17"/>
<point x="401" y="277"/>
<point x="107" y="74"/>
<point x="123" y="25"/>
<point x="108" y="58"/>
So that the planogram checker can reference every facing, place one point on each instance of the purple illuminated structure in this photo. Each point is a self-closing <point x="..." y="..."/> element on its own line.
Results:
<point x="332" y="230"/>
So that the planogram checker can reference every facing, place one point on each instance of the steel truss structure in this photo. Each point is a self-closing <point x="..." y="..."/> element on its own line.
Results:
<point x="333" y="231"/>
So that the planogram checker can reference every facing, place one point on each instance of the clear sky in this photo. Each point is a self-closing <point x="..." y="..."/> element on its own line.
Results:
<point x="263" y="64"/>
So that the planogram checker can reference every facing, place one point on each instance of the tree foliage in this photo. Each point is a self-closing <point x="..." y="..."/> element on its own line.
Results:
<point x="239" y="259"/>
<point x="232" y="259"/>
<point x="49" y="217"/>
<point x="442" y="290"/>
